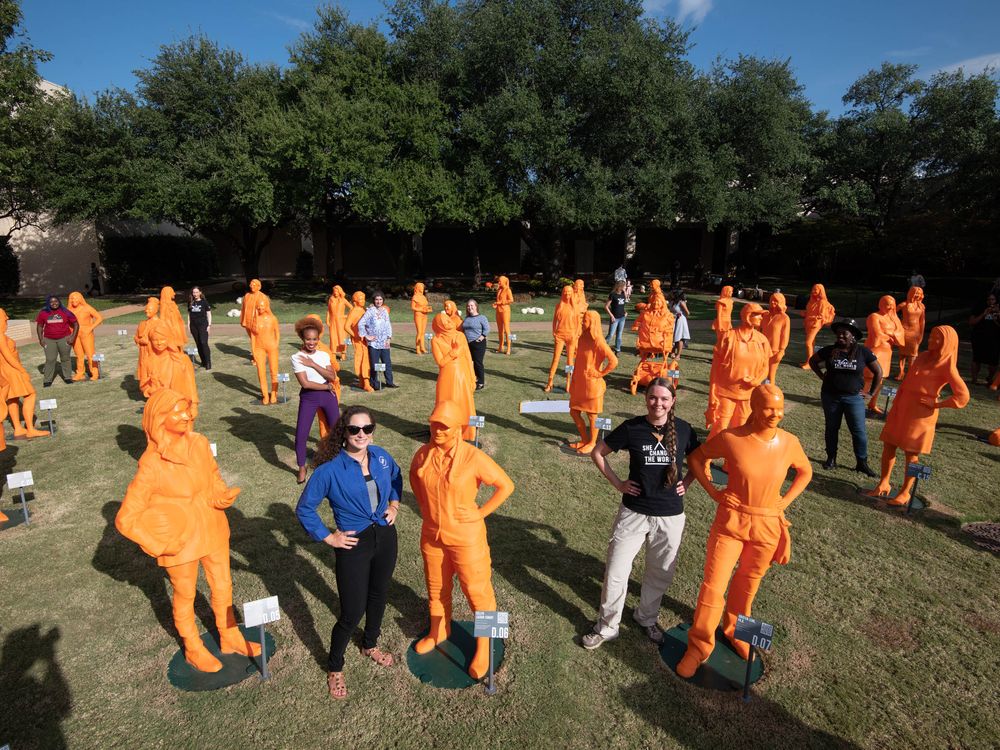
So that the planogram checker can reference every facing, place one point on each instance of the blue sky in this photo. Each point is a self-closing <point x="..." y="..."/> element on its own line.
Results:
<point x="98" y="43"/>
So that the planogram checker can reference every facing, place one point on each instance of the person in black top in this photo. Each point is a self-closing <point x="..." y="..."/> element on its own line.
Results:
<point x="985" y="324"/>
<point x="842" y="373"/>
<point x="200" y="323"/>
<point x="651" y="510"/>
<point x="615" y="307"/>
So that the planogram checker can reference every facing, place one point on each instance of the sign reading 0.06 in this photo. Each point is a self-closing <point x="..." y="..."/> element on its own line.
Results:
<point x="492" y="625"/>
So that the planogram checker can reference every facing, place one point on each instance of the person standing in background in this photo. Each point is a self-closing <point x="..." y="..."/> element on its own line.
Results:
<point x="95" y="280"/>
<point x="615" y="308"/>
<point x="57" y="329"/>
<point x="200" y="323"/>
<point x="376" y="330"/>
<point x="476" y="328"/>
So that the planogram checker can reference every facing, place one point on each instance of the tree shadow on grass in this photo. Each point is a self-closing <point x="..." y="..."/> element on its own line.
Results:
<point x="235" y="351"/>
<point x="531" y="382"/>
<point x="36" y="696"/>
<point x="131" y="440"/>
<point x="407" y="370"/>
<point x="265" y="432"/>
<point x="236" y="383"/>
<point x="407" y="428"/>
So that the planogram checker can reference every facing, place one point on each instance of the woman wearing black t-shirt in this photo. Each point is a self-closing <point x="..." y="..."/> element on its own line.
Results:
<point x="651" y="510"/>
<point x="985" y="324"/>
<point x="615" y="307"/>
<point x="200" y="323"/>
<point x="843" y="396"/>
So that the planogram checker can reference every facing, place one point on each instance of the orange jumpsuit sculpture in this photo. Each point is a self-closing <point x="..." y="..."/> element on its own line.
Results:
<point x="723" y="313"/>
<point x="362" y="362"/>
<point x="248" y="309"/>
<point x="739" y="365"/>
<point x="142" y="338"/>
<point x="336" y="319"/>
<point x="174" y="509"/>
<point x="168" y="368"/>
<point x="750" y="526"/>
<point x="504" y="300"/>
<point x="884" y="332"/>
<point x="170" y="314"/>
<point x="565" y="332"/>
<point x="83" y="347"/>
<point x="16" y="388"/>
<point x="445" y="475"/>
<point x="777" y="328"/>
<point x="594" y="360"/>
<point x="818" y="313"/>
<point x="456" y="381"/>
<point x="266" y="337"/>
<point x="420" y="307"/>
<point x="913" y="316"/>
<point x="913" y="415"/>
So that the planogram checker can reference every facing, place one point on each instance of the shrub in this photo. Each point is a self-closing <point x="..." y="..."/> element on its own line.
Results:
<point x="10" y="269"/>
<point x="135" y="262"/>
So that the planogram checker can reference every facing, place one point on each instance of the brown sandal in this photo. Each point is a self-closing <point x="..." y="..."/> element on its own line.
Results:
<point x="336" y="685"/>
<point x="379" y="656"/>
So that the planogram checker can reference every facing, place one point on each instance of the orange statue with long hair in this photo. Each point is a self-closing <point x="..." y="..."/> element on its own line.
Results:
<point x="168" y="368"/>
<point x="503" y="302"/>
<point x="362" y="361"/>
<point x="142" y="338"/>
<point x="777" y="328"/>
<point x="170" y="314"/>
<point x="174" y="509"/>
<point x="913" y="316"/>
<point x="723" y="313"/>
<point x="83" y="347"/>
<point x="739" y="365"/>
<point x="594" y="360"/>
<point x="248" y="309"/>
<point x="580" y="299"/>
<point x="818" y="313"/>
<point x="565" y="332"/>
<point x="749" y="526"/>
<point x="420" y="307"/>
<point x="910" y="424"/>
<point x="266" y="337"/>
<point x="456" y="381"/>
<point x="16" y="388"/>
<point x="336" y="320"/>
<point x="884" y="332"/>
<point x="451" y="309"/>
<point x="445" y="476"/>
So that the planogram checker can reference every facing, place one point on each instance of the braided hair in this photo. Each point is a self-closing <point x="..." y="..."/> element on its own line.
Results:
<point x="336" y="438"/>
<point x="672" y="475"/>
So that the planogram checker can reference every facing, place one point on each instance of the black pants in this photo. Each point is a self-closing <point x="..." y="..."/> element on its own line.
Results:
<point x="363" y="575"/>
<point x="478" y="350"/>
<point x="200" y="335"/>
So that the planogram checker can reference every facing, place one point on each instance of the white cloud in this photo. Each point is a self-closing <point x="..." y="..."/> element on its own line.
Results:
<point x="975" y="65"/>
<point x="696" y="10"/>
<point x="296" y="23"/>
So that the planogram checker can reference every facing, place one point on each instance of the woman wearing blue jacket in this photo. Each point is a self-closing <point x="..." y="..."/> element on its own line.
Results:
<point x="363" y="485"/>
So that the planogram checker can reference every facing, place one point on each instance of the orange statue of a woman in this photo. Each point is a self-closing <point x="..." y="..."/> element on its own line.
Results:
<point x="884" y="332"/>
<point x="723" y="313"/>
<point x="913" y="316"/>
<point x="565" y="332"/>
<point x="594" y="360"/>
<point x="655" y="293"/>
<point x="818" y="313"/>
<point x="503" y="302"/>
<point x="142" y="338"/>
<point x="656" y="329"/>
<point x="420" y="307"/>
<point x="456" y="381"/>
<point x="750" y="526"/>
<point x="174" y="509"/>
<point x="336" y="319"/>
<point x="362" y="361"/>
<point x="739" y="365"/>
<point x="445" y="476"/>
<point x="248" y="309"/>
<point x="16" y="388"/>
<point x="580" y="299"/>
<point x="168" y="368"/>
<point x="83" y="347"/>
<point x="777" y="328"/>
<point x="910" y="424"/>
<point x="170" y="314"/>
<point x="266" y="338"/>
<point x="452" y="311"/>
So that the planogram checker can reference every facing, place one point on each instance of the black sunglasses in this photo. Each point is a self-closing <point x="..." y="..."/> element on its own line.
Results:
<point x="354" y="429"/>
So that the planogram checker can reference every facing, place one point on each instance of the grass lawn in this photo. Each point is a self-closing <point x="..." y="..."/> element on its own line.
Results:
<point x="887" y="625"/>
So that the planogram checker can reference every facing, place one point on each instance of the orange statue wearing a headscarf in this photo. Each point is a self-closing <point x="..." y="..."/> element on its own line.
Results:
<point x="739" y="365"/>
<point x="655" y="293"/>
<point x="913" y="316"/>
<point x="504" y="300"/>
<point x="909" y="426"/>
<point x="750" y="526"/>
<point x="336" y="319"/>
<point x="451" y="309"/>
<point x="362" y="362"/>
<point x="15" y="387"/>
<point x="248" y="309"/>
<point x="445" y="476"/>
<point x="818" y="313"/>
<point x="580" y="299"/>
<point x="170" y="314"/>
<point x="266" y="338"/>
<point x="456" y="381"/>
<point x="565" y="332"/>
<point x="420" y="307"/>
<point x="168" y="368"/>
<point x="884" y="332"/>
<point x="656" y="329"/>
<point x="594" y="360"/>
<point x="142" y="338"/>
<point x="174" y="509"/>
<point x="723" y="313"/>
<point x="776" y="328"/>
<point x="83" y="347"/>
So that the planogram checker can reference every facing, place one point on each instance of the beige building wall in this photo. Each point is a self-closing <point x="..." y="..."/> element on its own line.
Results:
<point x="54" y="259"/>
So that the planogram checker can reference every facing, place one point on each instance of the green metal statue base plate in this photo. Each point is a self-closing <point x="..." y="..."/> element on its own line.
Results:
<point x="235" y="667"/>
<point x="447" y="666"/>
<point x="724" y="670"/>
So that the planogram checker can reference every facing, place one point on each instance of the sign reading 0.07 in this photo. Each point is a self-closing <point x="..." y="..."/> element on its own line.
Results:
<point x="754" y="632"/>
<point x="492" y="625"/>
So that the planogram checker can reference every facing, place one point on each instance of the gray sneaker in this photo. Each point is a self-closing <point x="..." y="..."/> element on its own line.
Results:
<point x="593" y="640"/>
<point x="653" y="632"/>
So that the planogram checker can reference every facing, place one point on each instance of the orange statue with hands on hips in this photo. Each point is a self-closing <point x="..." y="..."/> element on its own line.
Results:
<point x="265" y="340"/>
<point x="777" y="328"/>
<point x="174" y="509"/>
<point x="456" y="381"/>
<point x="594" y="360"/>
<point x="884" y="332"/>
<point x="420" y="307"/>
<point x="749" y="526"/>
<point x="739" y="365"/>
<point x="336" y="319"/>
<point x="142" y="338"/>
<point x="83" y="347"/>
<point x="723" y="313"/>
<point x="910" y="424"/>
<point x="503" y="302"/>
<point x="445" y="476"/>
<point x="170" y="314"/>
<point x="565" y="332"/>
<point x="818" y="313"/>
<point x="16" y="389"/>
<point x="362" y="362"/>
<point x="913" y="317"/>
<point x="248" y="309"/>
<point x="167" y="367"/>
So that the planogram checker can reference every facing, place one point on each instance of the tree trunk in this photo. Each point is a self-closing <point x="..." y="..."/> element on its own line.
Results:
<point x="253" y="240"/>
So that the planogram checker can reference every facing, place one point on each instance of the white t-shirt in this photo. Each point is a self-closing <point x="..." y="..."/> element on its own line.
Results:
<point x="319" y="357"/>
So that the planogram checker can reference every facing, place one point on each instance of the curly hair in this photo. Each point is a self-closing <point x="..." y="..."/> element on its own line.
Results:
<point x="672" y="474"/>
<point x="304" y="324"/>
<point x="336" y="438"/>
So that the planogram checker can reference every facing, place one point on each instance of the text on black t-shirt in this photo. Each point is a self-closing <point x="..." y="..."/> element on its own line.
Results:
<point x="199" y="312"/>
<point x="845" y="371"/>
<point x="617" y="304"/>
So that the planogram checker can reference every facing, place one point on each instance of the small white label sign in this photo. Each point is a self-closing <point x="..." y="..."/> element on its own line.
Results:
<point x="428" y="336"/>
<point x="190" y="351"/>
<point x="98" y="357"/>
<point x="380" y="367"/>
<point x="569" y="369"/>
<point x="20" y="479"/>
<point x="282" y="377"/>
<point x="603" y="423"/>
<point x="513" y="337"/>
<point x="47" y="404"/>
<point x="261" y="612"/>
<point x="123" y="332"/>
<point x="215" y="449"/>
<point x="477" y="421"/>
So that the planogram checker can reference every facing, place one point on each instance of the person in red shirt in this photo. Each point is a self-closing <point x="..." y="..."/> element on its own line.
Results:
<point x="57" y="329"/>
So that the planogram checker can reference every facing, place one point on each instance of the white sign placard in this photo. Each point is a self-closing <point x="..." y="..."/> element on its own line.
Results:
<point x="428" y="336"/>
<point x="261" y="612"/>
<point x="380" y="367"/>
<point x="674" y="374"/>
<point x="47" y="404"/>
<point x="98" y="357"/>
<point x="190" y="351"/>
<point x="544" y="407"/>
<point x="513" y="337"/>
<point x="477" y="421"/>
<point x="20" y="479"/>
<point x="569" y="369"/>
<point x="603" y="423"/>
<point x="215" y="449"/>
<point x="123" y="331"/>
<point x="282" y="377"/>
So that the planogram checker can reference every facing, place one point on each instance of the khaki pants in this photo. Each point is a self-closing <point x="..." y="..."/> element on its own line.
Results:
<point x="57" y="348"/>
<point x="662" y="535"/>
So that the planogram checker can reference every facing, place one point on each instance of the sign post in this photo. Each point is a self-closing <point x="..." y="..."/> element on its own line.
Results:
<point x="491" y="625"/>
<point x="258" y="614"/>
<point x="191" y="352"/>
<point x="759" y="635"/>
<point x="283" y="378"/>
<point x="428" y="336"/>
<point x="569" y="376"/>
<point x="99" y="358"/>
<point x="477" y="422"/>
<point x="918" y="472"/>
<point x="18" y="481"/>
<point x="603" y="424"/>
<point x="47" y="405"/>
<point x="890" y="393"/>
